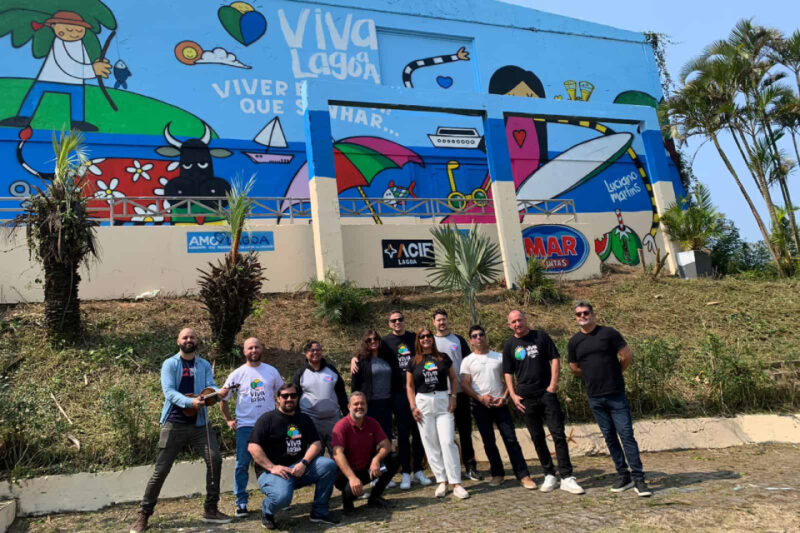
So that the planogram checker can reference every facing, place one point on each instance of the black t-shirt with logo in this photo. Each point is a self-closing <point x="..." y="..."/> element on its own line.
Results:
<point x="284" y="438"/>
<point x="402" y="347"/>
<point x="431" y="374"/>
<point x="596" y="353"/>
<point x="185" y="387"/>
<point x="528" y="358"/>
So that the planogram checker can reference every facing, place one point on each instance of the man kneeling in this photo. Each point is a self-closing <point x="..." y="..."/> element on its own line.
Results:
<point x="363" y="453"/>
<point x="286" y="450"/>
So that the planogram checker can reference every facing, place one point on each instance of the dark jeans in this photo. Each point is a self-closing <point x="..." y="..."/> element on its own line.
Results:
<point x="173" y="439"/>
<point x="407" y="427"/>
<point x="463" y="418"/>
<point x="547" y="409"/>
<point x="613" y="415"/>
<point x="392" y="463"/>
<point x="381" y="410"/>
<point x="486" y="418"/>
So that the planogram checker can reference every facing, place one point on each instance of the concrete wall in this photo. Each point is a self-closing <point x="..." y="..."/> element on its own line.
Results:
<point x="88" y="492"/>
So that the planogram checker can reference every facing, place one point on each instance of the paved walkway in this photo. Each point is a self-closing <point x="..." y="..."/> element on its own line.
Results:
<point x="749" y="488"/>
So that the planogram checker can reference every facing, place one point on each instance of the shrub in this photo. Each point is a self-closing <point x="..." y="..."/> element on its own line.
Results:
<point x="536" y="287"/>
<point x="339" y="301"/>
<point x="135" y="430"/>
<point x="655" y="363"/>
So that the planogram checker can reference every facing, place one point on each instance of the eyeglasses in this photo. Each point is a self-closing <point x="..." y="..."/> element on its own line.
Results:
<point x="373" y="339"/>
<point x="583" y="313"/>
<point x="288" y="395"/>
<point x="425" y="336"/>
<point x="393" y="320"/>
<point x="477" y="335"/>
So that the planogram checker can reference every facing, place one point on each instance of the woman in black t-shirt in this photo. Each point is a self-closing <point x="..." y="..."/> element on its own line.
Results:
<point x="377" y="376"/>
<point x="431" y="388"/>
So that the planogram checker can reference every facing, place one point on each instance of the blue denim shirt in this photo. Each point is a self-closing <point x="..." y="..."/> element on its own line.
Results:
<point x="171" y="371"/>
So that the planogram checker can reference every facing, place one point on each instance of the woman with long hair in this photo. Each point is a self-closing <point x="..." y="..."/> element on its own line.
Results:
<point x="378" y="377"/>
<point x="431" y="389"/>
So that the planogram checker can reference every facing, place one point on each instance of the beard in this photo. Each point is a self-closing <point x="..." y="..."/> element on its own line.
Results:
<point x="188" y="347"/>
<point x="253" y="357"/>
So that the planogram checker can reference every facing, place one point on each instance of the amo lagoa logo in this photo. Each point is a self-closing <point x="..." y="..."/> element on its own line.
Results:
<point x="562" y="248"/>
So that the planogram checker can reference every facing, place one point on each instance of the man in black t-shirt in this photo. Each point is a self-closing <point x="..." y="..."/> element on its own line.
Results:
<point x="601" y="355"/>
<point x="286" y="450"/>
<point x="532" y="358"/>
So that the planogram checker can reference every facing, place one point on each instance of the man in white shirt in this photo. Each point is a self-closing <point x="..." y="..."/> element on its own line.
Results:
<point x="454" y="346"/>
<point x="65" y="71"/>
<point x="256" y="395"/>
<point x="482" y="380"/>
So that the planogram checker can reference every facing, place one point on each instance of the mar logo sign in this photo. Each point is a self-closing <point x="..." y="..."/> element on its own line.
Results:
<point x="407" y="253"/>
<point x="562" y="248"/>
<point x="203" y="242"/>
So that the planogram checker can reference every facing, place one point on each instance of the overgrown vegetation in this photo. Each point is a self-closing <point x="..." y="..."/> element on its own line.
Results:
<point x="339" y="301"/>
<point x="536" y="287"/>
<point x="693" y="221"/>
<point x="701" y="348"/>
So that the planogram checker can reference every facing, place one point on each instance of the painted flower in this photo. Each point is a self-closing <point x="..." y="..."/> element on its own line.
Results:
<point x="139" y="171"/>
<point x="90" y="165"/>
<point x="108" y="192"/>
<point x="172" y="166"/>
<point x="147" y="215"/>
<point x="159" y="191"/>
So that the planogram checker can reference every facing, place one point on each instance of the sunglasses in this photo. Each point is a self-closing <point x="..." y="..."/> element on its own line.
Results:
<point x="583" y="313"/>
<point x="288" y="395"/>
<point x="477" y="335"/>
<point x="394" y="320"/>
<point x="425" y="336"/>
<point x="373" y="339"/>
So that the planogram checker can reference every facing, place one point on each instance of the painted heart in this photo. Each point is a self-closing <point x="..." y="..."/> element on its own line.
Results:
<point x="445" y="82"/>
<point x="519" y="136"/>
<point x="246" y="27"/>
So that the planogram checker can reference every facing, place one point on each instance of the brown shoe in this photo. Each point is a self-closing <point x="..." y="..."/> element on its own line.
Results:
<point x="214" y="516"/>
<point x="528" y="483"/>
<point x="496" y="481"/>
<point x="141" y="523"/>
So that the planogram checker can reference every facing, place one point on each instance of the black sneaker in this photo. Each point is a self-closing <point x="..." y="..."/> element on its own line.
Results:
<point x="214" y="516"/>
<point x="241" y="511"/>
<point x="267" y="521"/>
<point x="324" y="518"/>
<point x="348" y="508"/>
<point x="379" y="502"/>
<point x="473" y="474"/>
<point x="641" y="488"/>
<point x="623" y="483"/>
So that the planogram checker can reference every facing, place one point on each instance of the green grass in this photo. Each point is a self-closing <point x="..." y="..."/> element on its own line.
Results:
<point x="701" y="348"/>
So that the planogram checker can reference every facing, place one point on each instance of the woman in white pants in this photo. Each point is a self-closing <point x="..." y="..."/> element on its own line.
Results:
<point x="430" y="379"/>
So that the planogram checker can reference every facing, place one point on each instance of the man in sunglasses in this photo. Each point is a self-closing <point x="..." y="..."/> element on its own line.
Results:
<point x="601" y="355"/>
<point x="482" y="380"/>
<point x="287" y="453"/>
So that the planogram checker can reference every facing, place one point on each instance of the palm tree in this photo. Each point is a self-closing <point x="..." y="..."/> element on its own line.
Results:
<point x="61" y="236"/>
<point x="464" y="262"/>
<point x="229" y="288"/>
<point x="694" y="221"/>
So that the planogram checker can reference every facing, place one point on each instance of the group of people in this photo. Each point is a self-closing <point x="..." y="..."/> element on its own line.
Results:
<point x="427" y="385"/>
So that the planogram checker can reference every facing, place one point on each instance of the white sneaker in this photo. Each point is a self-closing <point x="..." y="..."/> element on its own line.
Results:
<point x="441" y="490"/>
<point x="391" y="485"/>
<point x="570" y="485"/>
<point x="405" y="483"/>
<point x="460" y="492"/>
<point x="423" y="480"/>
<point x="550" y="483"/>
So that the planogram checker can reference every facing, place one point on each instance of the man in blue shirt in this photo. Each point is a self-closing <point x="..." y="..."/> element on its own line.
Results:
<point x="182" y="374"/>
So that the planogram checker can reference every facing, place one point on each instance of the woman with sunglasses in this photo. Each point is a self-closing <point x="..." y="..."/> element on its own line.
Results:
<point x="378" y="377"/>
<point x="322" y="394"/>
<point x="431" y="388"/>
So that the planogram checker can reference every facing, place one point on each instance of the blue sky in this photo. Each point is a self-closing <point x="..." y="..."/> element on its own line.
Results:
<point x="691" y="26"/>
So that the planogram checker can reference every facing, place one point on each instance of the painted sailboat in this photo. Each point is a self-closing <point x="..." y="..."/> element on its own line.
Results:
<point x="271" y="136"/>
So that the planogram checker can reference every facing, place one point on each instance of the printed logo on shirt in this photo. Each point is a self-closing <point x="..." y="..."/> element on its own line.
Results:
<point x="256" y="384"/>
<point x="258" y="391"/>
<point x="429" y="373"/>
<point x="188" y="372"/>
<point x="533" y="351"/>
<point x="403" y="356"/>
<point x="520" y="353"/>
<point x="454" y="348"/>
<point x="293" y="432"/>
<point x="294" y="444"/>
<point x="327" y="379"/>
<point x="430" y="366"/>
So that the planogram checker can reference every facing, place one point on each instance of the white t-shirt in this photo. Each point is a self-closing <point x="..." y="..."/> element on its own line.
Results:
<point x="256" y="393"/>
<point x="450" y="345"/>
<point x="486" y="372"/>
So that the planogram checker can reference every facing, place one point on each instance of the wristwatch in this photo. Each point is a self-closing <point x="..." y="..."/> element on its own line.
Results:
<point x="305" y="463"/>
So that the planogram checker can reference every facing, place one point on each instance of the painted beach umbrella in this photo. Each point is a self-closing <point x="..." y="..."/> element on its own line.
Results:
<point x="357" y="161"/>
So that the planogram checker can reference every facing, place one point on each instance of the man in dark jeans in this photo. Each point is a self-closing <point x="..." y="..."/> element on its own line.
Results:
<point x="601" y="355"/>
<point x="532" y="358"/>
<point x="482" y="380"/>
<point x="363" y="453"/>
<point x="182" y="374"/>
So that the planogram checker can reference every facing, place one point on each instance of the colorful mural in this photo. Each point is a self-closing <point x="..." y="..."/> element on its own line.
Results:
<point x="217" y="94"/>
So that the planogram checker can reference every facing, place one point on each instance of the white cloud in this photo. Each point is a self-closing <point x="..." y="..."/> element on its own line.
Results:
<point x="220" y="56"/>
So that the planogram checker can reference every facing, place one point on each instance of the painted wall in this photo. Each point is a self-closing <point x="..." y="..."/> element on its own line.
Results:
<point x="195" y="94"/>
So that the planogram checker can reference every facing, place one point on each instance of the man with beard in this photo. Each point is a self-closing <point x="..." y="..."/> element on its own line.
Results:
<point x="182" y="374"/>
<point x="363" y="453"/>
<point x="287" y="451"/>
<point x="258" y="383"/>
